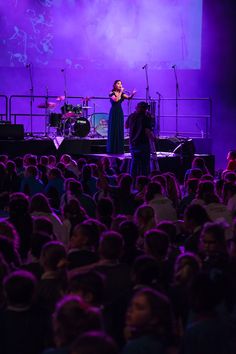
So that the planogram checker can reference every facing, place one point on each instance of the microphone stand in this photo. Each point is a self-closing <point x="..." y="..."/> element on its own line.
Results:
<point x="177" y="95"/>
<point x="158" y="127"/>
<point x="31" y="98"/>
<point x="147" y="83"/>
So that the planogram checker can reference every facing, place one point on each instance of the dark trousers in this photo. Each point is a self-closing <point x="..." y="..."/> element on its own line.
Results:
<point x="140" y="163"/>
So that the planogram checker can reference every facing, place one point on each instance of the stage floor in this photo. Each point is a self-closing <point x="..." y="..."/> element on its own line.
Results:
<point x="95" y="148"/>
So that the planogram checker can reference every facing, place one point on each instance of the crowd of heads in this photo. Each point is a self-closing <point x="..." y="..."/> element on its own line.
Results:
<point x="93" y="261"/>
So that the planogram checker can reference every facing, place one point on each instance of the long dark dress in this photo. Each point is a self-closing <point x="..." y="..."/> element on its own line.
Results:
<point x="115" y="139"/>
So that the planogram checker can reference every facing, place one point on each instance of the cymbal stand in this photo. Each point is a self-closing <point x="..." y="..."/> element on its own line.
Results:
<point x="28" y="66"/>
<point x="148" y="98"/>
<point x="46" y="114"/>
<point x="65" y="91"/>
<point x="177" y="95"/>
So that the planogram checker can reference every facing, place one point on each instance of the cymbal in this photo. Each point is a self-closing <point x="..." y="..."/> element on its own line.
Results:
<point x="86" y="107"/>
<point x="47" y="105"/>
<point x="60" y="98"/>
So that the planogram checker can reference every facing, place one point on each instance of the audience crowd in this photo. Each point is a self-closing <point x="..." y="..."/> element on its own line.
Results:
<point x="95" y="262"/>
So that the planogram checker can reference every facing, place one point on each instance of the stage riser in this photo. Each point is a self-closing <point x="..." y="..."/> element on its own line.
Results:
<point x="80" y="147"/>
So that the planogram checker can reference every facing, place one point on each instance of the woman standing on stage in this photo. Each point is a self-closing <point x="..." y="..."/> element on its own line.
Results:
<point x="115" y="139"/>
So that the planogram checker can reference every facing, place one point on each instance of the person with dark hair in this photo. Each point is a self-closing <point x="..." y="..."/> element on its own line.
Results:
<point x="89" y="285"/>
<point x="105" y="211"/>
<point x="115" y="139"/>
<point x="38" y="240"/>
<point x="55" y="187"/>
<point x="162" y="206"/>
<point x="145" y="273"/>
<point x="23" y="327"/>
<point x="53" y="282"/>
<point x="31" y="183"/>
<point x="117" y="275"/>
<point x="149" y="323"/>
<point x="213" y="247"/>
<point x="130" y="233"/>
<point x="231" y="157"/>
<point x="10" y="253"/>
<point x="3" y="176"/>
<point x="156" y="244"/>
<point x="74" y="189"/>
<point x="172" y="188"/>
<point x="122" y="195"/>
<point x="94" y="343"/>
<point x="191" y="189"/>
<point x="88" y="181"/>
<point x="209" y="332"/>
<point x="39" y="206"/>
<point x="144" y="218"/>
<point x="81" y="246"/>
<point x="73" y="214"/>
<point x="170" y="228"/>
<point x="195" y="216"/>
<point x="186" y="267"/>
<point x="140" y="187"/>
<point x="199" y="165"/>
<point x="43" y="224"/>
<point x="8" y="230"/>
<point x="72" y="318"/>
<point x="229" y="197"/>
<point x="21" y="219"/>
<point x="139" y="124"/>
<point x="12" y="179"/>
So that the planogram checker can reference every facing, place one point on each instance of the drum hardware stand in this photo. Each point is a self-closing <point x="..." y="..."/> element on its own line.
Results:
<point x="158" y="124"/>
<point x="46" y="114"/>
<point x="28" y="66"/>
<point x="177" y="95"/>
<point x="65" y="89"/>
<point x="152" y="103"/>
<point x="93" y="132"/>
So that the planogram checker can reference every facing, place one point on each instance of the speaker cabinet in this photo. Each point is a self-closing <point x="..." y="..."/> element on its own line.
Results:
<point x="12" y="132"/>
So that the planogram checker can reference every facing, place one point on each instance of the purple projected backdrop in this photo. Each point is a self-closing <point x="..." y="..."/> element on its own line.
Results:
<point x="100" y="34"/>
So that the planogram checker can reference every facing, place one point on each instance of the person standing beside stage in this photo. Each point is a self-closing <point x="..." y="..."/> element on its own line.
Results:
<point x="115" y="139"/>
<point x="139" y="124"/>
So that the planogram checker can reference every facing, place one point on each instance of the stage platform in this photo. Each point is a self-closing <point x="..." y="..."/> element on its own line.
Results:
<point x="170" y="153"/>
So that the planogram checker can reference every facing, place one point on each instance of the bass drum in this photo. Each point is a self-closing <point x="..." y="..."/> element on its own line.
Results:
<point x="99" y="122"/>
<point x="80" y="127"/>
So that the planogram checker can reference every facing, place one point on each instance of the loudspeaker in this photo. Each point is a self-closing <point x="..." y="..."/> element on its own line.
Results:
<point x="12" y="132"/>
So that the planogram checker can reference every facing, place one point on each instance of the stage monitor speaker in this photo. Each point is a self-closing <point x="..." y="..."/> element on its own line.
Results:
<point x="12" y="132"/>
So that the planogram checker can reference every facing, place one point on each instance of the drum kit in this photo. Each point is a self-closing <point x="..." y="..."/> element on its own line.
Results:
<point x="74" y="120"/>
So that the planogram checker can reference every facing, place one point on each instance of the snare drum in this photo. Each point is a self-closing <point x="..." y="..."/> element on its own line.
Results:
<point x="99" y="121"/>
<point x="81" y="127"/>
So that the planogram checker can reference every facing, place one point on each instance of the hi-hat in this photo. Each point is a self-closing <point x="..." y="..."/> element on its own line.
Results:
<point x="47" y="105"/>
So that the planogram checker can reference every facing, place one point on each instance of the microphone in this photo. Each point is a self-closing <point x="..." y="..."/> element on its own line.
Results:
<point x="62" y="70"/>
<point x="174" y="66"/>
<point x="144" y="66"/>
<point x="28" y="65"/>
<point x="126" y="91"/>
